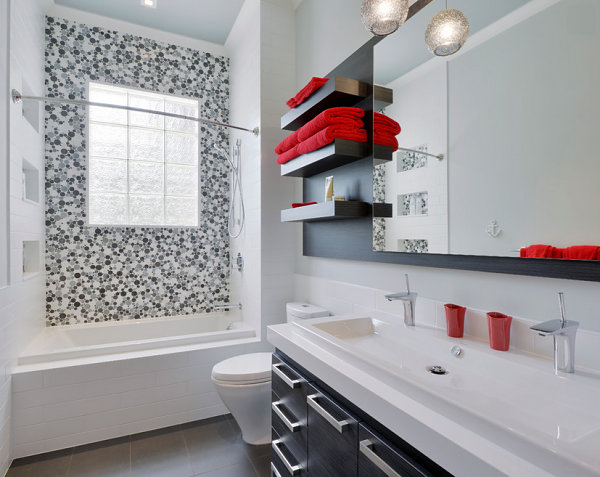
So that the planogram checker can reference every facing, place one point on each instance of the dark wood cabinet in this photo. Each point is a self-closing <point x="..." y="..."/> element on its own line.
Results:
<point x="332" y="437"/>
<point x="377" y="458"/>
<point x="318" y="433"/>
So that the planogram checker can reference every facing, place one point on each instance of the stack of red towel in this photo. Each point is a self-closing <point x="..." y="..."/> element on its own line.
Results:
<point x="577" y="252"/>
<point x="334" y="123"/>
<point x="385" y="130"/>
<point x="312" y="86"/>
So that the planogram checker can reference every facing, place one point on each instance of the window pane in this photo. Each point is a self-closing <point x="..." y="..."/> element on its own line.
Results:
<point x="108" y="209"/>
<point x="108" y="175"/>
<point x="146" y="178"/>
<point x="181" y="211"/>
<point x="152" y="102"/>
<point x="185" y="109"/>
<point x="146" y="145"/>
<point x="143" y="167"/>
<point x="182" y="180"/>
<point x="100" y="94"/>
<point x="108" y="141"/>
<point x="146" y="210"/>
<point x="181" y="148"/>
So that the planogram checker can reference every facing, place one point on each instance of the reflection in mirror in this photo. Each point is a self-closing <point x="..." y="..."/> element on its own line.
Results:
<point x="516" y="114"/>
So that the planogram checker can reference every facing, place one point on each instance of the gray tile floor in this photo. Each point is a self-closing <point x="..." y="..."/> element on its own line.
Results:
<point x="210" y="448"/>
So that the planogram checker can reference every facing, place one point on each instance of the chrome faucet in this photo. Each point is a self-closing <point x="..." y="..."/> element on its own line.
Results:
<point x="409" y="299"/>
<point x="564" y="333"/>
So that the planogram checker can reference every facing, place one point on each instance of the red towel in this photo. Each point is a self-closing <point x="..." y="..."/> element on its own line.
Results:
<point x="322" y="138"/>
<point x="541" y="251"/>
<point x="386" y="124"/>
<point x="385" y="140"/>
<point x="581" y="252"/>
<point x="333" y="116"/>
<point x="301" y="204"/>
<point x="312" y="86"/>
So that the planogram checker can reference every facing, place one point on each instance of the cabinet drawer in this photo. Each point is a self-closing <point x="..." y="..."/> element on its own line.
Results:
<point x="290" y="429"/>
<point x="332" y="437"/>
<point x="284" y="462"/>
<point x="290" y="387"/>
<point x="378" y="458"/>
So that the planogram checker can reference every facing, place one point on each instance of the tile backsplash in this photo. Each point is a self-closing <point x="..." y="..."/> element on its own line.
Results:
<point x="345" y="298"/>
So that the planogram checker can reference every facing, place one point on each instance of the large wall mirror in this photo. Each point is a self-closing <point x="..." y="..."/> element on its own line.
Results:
<point x="516" y="115"/>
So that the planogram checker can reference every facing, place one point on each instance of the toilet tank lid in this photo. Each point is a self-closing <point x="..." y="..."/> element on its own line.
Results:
<point x="245" y="368"/>
<point x="306" y="310"/>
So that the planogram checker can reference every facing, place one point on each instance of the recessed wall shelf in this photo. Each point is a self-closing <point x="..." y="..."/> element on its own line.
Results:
<point x="331" y="210"/>
<point x="382" y="97"/>
<point x="31" y="182"/>
<point x="338" y="153"/>
<point x="31" y="258"/>
<point x="338" y="91"/>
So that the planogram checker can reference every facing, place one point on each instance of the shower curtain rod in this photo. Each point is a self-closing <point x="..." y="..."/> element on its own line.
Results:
<point x="17" y="97"/>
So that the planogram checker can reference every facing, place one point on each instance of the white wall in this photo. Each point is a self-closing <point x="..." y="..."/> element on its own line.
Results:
<point x="243" y="45"/>
<point x="22" y="299"/>
<point x="278" y="240"/>
<point x="529" y="297"/>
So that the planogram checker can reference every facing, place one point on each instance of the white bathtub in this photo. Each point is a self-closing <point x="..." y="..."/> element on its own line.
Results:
<point x="133" y="337"/>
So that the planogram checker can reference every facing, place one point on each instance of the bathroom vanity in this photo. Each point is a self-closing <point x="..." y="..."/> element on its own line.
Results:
<point x="354" y="396"/>
<point x="318" y="432"/>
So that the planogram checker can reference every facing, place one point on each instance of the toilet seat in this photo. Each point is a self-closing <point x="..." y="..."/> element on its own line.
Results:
<point x="250" y="368"/>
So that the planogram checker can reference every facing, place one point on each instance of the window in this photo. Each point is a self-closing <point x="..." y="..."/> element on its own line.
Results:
<point x="143" y="168"/>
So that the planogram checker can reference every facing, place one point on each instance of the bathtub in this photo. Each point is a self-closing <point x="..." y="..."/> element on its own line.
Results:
<point x="78" y="384"/>
<point x="133" y="338"/>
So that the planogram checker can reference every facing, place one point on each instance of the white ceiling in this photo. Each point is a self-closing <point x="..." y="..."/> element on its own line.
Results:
<point x="208" y="20"/>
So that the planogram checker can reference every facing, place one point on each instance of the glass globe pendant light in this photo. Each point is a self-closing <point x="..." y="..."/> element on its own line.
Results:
<point x="447" y="32"/>
<point x="382" y="17"/>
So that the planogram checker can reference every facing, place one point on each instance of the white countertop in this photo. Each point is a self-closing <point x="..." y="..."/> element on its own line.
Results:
<point x="459" y="440"/>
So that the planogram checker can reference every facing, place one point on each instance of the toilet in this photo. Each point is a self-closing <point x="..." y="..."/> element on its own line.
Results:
<point x="244" y="383"/>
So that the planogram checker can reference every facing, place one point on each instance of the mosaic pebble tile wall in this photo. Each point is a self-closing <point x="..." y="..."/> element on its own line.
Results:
<point x="97" y="274"/>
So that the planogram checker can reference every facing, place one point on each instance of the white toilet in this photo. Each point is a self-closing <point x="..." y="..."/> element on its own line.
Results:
<point x="244" y="383"/>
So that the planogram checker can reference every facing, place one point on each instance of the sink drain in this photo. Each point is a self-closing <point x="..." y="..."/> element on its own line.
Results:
<point x="435" y="369"/>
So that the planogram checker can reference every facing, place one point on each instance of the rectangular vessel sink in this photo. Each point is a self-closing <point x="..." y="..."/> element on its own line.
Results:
<point x="517" y="386"/>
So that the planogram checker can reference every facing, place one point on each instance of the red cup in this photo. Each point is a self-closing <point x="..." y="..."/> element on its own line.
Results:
<point x="499" y="330"/>
<point x="455" y="320"/>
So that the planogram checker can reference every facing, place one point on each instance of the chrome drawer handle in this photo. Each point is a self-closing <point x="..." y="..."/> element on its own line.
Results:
<point x="292" y="426"/>
<point x="274" y="471"/>
<point x="382" y="465"/>
<point x="340" y="426"/>
<point x="292" y="383"/>
<point x="293" y="469"/>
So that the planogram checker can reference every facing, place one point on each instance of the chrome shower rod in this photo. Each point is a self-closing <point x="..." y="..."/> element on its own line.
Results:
<point x="17" y="97"/>
<point x="439" y="157"/>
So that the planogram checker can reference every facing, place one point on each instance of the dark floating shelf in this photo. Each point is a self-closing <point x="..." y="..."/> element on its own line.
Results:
<point x="338" y="91"/>
<point x="331" y="210"/>
<point x="336" y="154"/>
<point x="382" y="210"/>
<point x="382" y="97"/>
<point x="382" y="154"/>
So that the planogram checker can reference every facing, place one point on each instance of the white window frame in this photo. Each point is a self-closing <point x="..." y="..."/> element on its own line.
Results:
<point x="87" y="161"/>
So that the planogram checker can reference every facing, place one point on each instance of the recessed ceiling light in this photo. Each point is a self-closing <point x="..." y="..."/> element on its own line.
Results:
<point x="149" y="3"/>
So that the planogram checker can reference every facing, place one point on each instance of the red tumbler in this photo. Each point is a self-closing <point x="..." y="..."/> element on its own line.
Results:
<point x="499" y="330"/>
<point x="455" y="320"/>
